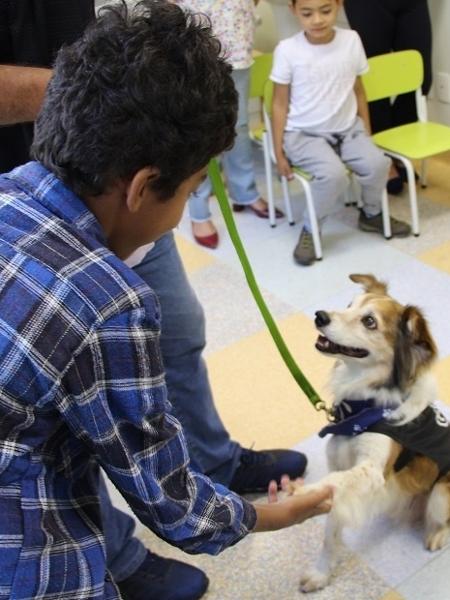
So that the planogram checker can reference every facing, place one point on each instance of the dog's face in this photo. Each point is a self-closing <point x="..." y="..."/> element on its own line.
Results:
<point x="376" y="330"/>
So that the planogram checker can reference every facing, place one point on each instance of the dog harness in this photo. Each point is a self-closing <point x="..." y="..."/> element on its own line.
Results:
<point x="352" y="417"/>
<point x="426" y="435"/>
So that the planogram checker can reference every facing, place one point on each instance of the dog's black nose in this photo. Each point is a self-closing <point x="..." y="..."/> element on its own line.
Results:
<point x="322" y="318"/>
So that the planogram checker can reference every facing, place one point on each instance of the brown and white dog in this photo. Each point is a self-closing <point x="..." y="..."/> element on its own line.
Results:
<point x="384" y="351"/>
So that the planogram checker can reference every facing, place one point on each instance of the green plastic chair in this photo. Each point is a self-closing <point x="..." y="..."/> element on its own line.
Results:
<point x="399" y="73"/>
<point x="259" y="74"/>
<point x="304" y="178"/>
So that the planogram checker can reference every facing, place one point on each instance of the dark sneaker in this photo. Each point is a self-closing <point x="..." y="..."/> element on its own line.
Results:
<point x="404" y="176"/>
<point x="394" y="185"/>
<point x="304" y="250"/>
<point x="161" y="578"/>
<point x="257" y="469"/>
<point x="375" y="225"/>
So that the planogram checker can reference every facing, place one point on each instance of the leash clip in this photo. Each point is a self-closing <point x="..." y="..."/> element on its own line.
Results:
<point x="331" y="415"/>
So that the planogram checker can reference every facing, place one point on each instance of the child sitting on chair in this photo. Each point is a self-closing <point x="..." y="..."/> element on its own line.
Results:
<point x="321" y="120"/>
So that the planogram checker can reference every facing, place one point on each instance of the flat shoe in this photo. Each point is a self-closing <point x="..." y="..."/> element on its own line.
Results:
<point x="262" y="213"/>
<point x="209" y="241"/>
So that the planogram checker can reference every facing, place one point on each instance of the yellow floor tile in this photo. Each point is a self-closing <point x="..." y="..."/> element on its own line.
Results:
<point x="392" y="595"/>
<point x="438" y="257"/>
<point x="438" y="181"/>
<point x="442" y="373"/>
<point x="256" y="395"/>
<point x="193" y="257"/>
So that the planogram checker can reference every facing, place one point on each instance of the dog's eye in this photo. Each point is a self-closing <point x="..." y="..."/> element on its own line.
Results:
<point x="369" y="322"/>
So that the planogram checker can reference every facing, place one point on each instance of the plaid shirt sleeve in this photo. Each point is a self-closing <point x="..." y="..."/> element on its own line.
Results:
<point x="113" y="397"/>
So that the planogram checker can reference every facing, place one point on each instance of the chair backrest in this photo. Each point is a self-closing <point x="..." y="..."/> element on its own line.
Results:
<point x="267" y="96"/>
<point x="259" y="74"/>
<point x="393" y="74"/>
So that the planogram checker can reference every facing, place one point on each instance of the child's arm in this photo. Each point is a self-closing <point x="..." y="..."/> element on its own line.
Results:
<point x="280" y="104"/>
<point x="22" y="90"/>
<point x="292" y="510"/>
<point x="362" y="107"/>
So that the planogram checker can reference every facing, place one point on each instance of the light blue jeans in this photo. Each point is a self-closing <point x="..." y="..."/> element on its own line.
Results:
<point x="182" y="342"/>
<point x="237" y="163"/>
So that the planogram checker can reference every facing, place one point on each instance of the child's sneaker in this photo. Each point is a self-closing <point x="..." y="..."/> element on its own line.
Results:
<point x="304" y="250"/>
<point x="375" y="225"/>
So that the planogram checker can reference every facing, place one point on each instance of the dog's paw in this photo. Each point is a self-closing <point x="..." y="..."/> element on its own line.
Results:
<point x="313" y="580"/>
<point x="437" y="539"/>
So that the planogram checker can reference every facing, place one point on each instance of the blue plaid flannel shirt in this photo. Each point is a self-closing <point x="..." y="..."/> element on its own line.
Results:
<point x="82" y="385"/>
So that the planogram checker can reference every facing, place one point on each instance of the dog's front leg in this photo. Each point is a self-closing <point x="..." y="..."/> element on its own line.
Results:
<point x="353" y="491"/>
<point x="316" y="578"/>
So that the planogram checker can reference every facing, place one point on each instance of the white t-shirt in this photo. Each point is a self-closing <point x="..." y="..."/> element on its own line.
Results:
<point x="138" y="255"/>
<point x="322" y="77"/>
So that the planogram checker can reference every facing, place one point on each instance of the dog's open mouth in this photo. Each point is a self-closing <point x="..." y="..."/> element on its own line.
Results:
<point x="323" y="344"/>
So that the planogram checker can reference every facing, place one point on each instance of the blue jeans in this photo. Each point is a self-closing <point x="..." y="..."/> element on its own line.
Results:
<point x="182" y="342"/>
<point x="124" y="552"/>
<point x="237" y="162"/>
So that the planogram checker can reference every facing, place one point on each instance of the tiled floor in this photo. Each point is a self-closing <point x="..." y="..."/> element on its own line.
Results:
<point x="262" y="405"/>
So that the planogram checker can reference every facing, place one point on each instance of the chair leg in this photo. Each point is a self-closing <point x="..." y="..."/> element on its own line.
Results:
<point x="412" y="195"/>
<point x="287" y="201"/>
<point x="411" y="180"/>
<point x="423" y="173"/>
<point x="312" y="217"/>
<point x="386" y="216"/>
<point x="269" y="181"/>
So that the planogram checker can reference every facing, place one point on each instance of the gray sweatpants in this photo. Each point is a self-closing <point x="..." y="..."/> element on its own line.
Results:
<point x="326" y="156"/>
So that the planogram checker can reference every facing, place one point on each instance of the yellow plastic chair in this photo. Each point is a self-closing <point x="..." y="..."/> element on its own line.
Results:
<point x="304" y="178"/>
<point x="259" y="74"/>
<point x="399" y="73"/>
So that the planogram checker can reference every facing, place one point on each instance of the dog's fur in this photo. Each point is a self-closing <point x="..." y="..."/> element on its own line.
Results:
<point x="391" y="350"/>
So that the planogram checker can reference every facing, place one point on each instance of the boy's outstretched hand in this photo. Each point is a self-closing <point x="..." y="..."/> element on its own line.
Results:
<point x="292" y="510"/>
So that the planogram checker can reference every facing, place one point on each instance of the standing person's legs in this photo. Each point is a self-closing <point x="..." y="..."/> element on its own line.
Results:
<point x="203" y="229"/>
<point x="198" y="203"/>
<point x="238" y="162"/>
<point x="413" y="32"/>
<point x="182" y="344"/>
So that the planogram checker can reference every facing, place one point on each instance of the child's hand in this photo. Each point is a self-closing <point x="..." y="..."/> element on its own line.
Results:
<point x="292" y="510"/>
<point x="284" y="168"/>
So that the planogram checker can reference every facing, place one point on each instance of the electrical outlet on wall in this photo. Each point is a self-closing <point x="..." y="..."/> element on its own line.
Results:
<point x="442" y="87"/>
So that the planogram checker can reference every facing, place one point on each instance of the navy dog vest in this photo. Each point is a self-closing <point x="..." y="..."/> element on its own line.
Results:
<point x="426" y="435"/>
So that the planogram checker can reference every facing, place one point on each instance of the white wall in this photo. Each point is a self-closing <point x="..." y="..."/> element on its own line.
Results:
<point x="440" y="18"/>
<point x="277" y="23"/>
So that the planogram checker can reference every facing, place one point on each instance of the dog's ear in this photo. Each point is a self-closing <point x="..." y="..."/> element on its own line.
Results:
<point x="370" y="283"/>
<point x="414" y="347"/>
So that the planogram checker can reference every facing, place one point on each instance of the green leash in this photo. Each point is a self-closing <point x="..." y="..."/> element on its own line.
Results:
<point x="219" y="191"/>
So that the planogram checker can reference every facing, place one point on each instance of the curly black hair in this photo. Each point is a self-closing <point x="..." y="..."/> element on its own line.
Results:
<point x="143" y="86"/>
